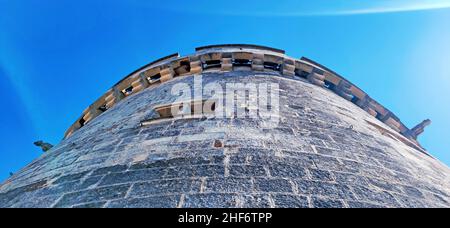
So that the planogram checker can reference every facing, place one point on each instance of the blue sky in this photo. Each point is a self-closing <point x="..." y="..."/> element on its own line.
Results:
<point x="57" y="57"/>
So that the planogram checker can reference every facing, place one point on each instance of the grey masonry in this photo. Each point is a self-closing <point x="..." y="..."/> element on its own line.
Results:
<point x="327" y="150"/>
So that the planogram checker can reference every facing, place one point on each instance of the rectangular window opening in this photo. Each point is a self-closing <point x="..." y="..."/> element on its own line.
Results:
<point x="128" y="91"/>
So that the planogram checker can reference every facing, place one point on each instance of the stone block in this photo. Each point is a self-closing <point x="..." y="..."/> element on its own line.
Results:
<point x="210" y="200"/>
<point x="326" y="203"/>
<point x="70" y="177"/>
<point x="110" y="169"/>
<point x="247" y="170"/>
<point x="321" y="175"/>
<point x="253" y="201"/>
<point x="98" y="194"/>
<point x="148" y="202"/>
<point x="163" y="187"/>
<point x="376" y="197"/>
<point x="324" y="189"/>
<point x="228" y="185"/>
<point x="284" y="170"/>
<point x="273" y="185"/>
<point x="290" y="201"/>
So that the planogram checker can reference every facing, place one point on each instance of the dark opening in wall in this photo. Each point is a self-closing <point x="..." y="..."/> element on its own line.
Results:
<point x="103" y="108"/>
<point x="185" y="67"/>
<point x="272" y="66"/>
<point x="379" y="116"/>
<point x="301" y="73"/>
<point x="396" y="136"/>
<point x="82" y="122"/>
<point x="154" y="78"/>
<point x="329" y="85"/>
<point x="355" y="100"/>
<point x="242" y="62"/>
<point x="128" y="91"/>
<point x="210" y="64"/>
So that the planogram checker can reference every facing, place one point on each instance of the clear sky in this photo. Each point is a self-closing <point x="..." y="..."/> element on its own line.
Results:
<point x="57" y="57"/>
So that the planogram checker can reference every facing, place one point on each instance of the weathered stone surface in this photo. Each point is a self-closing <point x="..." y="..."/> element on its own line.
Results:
<point x="170" y="201"/>
<point x="98" y="194"/>
<point x="230" y="185"/>
<point x="273" y="185"/>
<point x="326" y="203"/>
<point x="161" y="187"/>
<point x="322" y="154"/>
<point x="215" y="200"/>
<point x="91" y="205"/>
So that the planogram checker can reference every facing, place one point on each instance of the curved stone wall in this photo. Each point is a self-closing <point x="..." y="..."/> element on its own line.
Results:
<point x="228" y="58"/>
<point x="325" y="152"/>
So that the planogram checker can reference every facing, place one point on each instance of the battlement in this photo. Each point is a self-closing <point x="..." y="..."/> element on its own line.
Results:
<point x="235" y="57"/>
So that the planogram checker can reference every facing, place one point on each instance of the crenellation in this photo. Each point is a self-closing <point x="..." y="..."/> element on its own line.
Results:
<point x="343" y="89"/>
<point x="258" y="62"/>
<point x="167" y="74"/>
<point x="316" y="79"/>
<point x="227" y="64"/>
<point x="195" y="65"/>
<point x="289" y="67"/>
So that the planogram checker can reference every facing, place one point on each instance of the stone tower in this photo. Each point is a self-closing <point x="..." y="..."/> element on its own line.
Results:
<point x="326" y="143"/>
